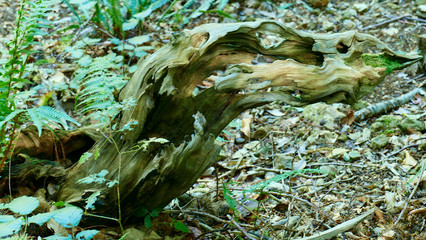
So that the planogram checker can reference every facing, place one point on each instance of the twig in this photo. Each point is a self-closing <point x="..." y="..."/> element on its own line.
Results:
<point x="211" y="231"/>
<point x="384" y="22"/>
<point x="400" y="150"/>
<point x="418" y="210"/>
<point x="335" y="163"/>
<point x="254" y="214"/>
<point x="301" y="200"/>
<point x="415" y="19"/>
<point x="240" y="228"/>
<point x="412" y="193"/>
<point x="217" y="219"/>
<point x="392" y="169"/>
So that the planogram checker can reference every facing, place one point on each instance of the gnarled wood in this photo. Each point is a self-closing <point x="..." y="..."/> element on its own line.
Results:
<point x="301" y="68"/>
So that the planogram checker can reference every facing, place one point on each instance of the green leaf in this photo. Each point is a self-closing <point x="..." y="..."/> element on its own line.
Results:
<point x="133" y="69"/>
<point x="147" y="221"/>
<point x="204" y="7"/>
<point x="96" y="154"/>
<point x="59" y="237"/>
<point x="139" y="40"/>
<point x="85" y="61"/>
<point x="229" y="200"/>
<point x="123" y="47"/>
<point x="10" y="117"/>
<point x="12" y="227"/>
<point x="86" y="235"/>
<point x="156" y="211"/>
<point x="90" y="201"/>
<point x="178" y="225"/>
<point x="41" y="218"/>
<point x="24" y="205"/>
<point x="6" y="218"/>
<point x="75" y="53"/>
<point x="130" y="24"/>
<point x="68" y="217"/>
<point x="49" y="113"/>
<point x="84" y="157"/>
<point x="222" y="4"/>
<point x="154" y="6"/>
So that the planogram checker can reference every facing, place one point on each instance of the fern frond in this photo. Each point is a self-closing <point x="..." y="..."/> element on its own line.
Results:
<point x="35" y="118"/>
<point x="47" y="113"/>
<point x="44" y="115"/>
<point x="11" y="116"/>
<point x="99" y="81"/>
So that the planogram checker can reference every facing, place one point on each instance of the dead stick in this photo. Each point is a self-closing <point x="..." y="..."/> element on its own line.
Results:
<point x="339" y="228"/>
<point x="384" y="22"/>
<point x="240" y="228"/>
<point x="412" y="194"/>
<point x="387" y="105"/>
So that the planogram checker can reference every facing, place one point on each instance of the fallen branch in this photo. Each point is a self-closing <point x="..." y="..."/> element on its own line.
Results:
<point x="387" y="105"/>
<point x="339" y="228"/>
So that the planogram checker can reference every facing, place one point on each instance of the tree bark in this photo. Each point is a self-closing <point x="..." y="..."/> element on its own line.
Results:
<point x="299" y="69"/>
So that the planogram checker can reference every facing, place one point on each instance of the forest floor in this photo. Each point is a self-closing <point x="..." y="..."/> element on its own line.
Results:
<point x="370" y="164"/>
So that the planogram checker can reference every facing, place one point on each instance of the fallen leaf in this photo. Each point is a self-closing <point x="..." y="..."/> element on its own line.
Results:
<point x="245" y="125"/>
<point x="348" y="119"/>
<point x="409" y="162"/>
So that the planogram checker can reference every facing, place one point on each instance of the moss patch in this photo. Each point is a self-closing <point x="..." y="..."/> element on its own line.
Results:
<point x="383" y="60"/>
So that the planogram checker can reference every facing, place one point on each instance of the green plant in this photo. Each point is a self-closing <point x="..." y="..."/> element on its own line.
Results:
<point x="99" y="82"/>
<point x="229" y="196"/>
<point x="14" y="76"/>
<point x="68" y="217"/>
<point x="119" y="16"/>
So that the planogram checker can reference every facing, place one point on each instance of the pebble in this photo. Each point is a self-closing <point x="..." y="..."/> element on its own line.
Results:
<point x="379" y="141"/>
<point x="349" y="13"/>
<point x="421" y="11"/>
<point x="348" y="24"/>
<point x="327" y="25"/>
<point x="361" y="7"/>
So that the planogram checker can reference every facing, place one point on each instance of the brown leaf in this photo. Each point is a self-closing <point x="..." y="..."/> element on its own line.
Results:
<point x="379" y="215"/>
<point x="348" y="119"/>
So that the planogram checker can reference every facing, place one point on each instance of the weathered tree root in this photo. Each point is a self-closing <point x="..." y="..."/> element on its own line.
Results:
<point x="302" y="68"/>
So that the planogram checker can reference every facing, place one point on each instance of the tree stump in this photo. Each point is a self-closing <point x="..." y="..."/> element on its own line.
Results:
<point x="250" y="64"/>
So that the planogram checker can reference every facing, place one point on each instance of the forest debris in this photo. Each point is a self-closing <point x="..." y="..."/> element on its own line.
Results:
<point x="409" y="162"/>
<point x="411" y="126"/>
<point x="323" y="114"/>
<point x="379" y="142"/>
<point x="361" y="7"/>
<point x="385" y="122"/>
<point x="339" y="228"/>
